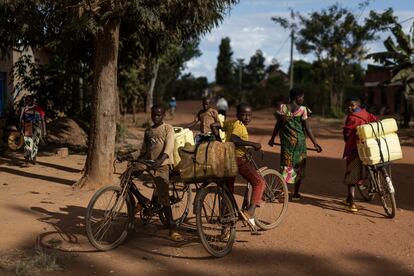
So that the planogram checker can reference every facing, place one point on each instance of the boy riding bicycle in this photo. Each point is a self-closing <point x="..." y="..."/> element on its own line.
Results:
<point x="206" y="116"/>
<point x="237" y="133"/>
<point x="158" y="145"/>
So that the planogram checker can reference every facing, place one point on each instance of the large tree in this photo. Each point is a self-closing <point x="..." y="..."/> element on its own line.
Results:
<point x="337" y="38"/>
<point x="255" y="69"/>
<point x="150" y="25"/>
<point x="224" y="68"/>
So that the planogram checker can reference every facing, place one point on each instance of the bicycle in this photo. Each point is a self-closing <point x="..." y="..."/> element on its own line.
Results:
<point x="378" y="181"/>
<point x="217" y="211"/>
<point x="108" y="224"/>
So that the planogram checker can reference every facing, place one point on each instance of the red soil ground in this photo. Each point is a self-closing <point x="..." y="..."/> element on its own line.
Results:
<point x="39" y="207"/>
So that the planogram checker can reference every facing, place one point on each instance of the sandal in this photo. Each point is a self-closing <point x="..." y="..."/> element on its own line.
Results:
<point x="175" y="236"/>
<point x="351" y="207"/>
<point x="297" y="197"/>
<point x="250" y="222"/>
<point x="225" y="235"/>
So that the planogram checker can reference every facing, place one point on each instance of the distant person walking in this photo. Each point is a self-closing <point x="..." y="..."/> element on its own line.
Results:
<point x="172" y="106"/>
<point x="353" y="175"/>
<point x="292" y="126"/>
<point x="222" y="106"/>
<point x="33" y="126"/>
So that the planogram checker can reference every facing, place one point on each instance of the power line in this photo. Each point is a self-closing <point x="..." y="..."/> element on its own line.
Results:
<point x="283" y="45"/>
<point x="412" y="17"/>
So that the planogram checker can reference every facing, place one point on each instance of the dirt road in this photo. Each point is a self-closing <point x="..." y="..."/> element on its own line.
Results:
<point x="39" y="208"/>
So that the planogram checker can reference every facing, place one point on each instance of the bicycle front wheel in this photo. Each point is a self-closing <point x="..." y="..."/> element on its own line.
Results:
<point x="216" y="220"/>
<point x="180" y="198"/>
<point x="108" y="216"/>
<point x="274" y="201"/>
<point x="386" y="191"/>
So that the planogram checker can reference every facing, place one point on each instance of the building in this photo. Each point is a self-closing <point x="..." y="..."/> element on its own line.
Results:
<point x="380" y="95"/>
<point x="10" y="93"/>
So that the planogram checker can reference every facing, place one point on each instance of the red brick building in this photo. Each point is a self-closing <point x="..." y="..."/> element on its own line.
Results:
<point x="381" y="96"/>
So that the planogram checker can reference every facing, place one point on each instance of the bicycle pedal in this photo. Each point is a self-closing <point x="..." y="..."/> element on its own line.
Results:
<point x="255" y="233"/>
<point x="138" y="208"/>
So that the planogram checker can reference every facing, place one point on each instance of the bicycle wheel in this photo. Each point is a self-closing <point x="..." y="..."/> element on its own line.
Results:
<point x="274" y="201"/>
<point x="108" y="216"/>
<point x="216" y="220"/>
<point x="386" y="191"/>
<point x="365" y="190"/>
<point x="180" y="197"/>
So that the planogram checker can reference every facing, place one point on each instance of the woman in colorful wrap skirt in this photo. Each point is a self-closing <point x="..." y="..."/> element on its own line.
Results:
<point x="292" y="126"/>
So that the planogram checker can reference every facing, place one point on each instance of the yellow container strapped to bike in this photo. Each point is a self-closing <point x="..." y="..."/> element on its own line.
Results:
<point x="378" y="142"/>
<point x="375" y="129"/>
<point x="207" y="160"/>
<point x="182" y="136"/>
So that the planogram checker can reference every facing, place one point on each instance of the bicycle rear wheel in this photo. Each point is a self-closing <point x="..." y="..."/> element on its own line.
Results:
<point x="216" y="220"/>
<point x="274" y="201"/>
<point x="108" y="216"/>
<point x="180" y="197"/>
<point x="365" y="190"/>
<point x="386" y="191"/>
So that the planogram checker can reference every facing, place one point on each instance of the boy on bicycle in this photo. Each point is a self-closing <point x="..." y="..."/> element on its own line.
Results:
<point x="158" y="145"/>
<point x="237" y="133"/>
<point x="206" y="116"/>
<point x="353" y="175"/>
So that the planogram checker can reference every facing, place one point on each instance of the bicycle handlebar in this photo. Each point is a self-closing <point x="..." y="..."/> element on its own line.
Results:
<point x="147" y="163"/>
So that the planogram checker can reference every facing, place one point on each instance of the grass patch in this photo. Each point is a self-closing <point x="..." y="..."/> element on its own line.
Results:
<point x="32" y="262"/>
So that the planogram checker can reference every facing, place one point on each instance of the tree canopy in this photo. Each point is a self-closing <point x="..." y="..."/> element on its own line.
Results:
<point x="337" y="37"/>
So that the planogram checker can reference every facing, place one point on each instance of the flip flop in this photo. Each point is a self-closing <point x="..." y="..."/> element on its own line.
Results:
<point x="250" y="222"/>
<point x="351" y="208"/>
<point x="297" y="197"/>
<point x="176" y="237"/>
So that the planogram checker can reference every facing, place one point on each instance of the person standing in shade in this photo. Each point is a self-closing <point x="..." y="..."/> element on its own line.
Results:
<point x="33" y="126"/>
<point x="292" y="126"/>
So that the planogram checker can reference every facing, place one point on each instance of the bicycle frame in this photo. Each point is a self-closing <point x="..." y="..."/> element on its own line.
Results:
<point x="380" y="167"/>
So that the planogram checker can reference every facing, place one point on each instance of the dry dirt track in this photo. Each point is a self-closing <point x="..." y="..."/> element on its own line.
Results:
<point x="37" y="206"/>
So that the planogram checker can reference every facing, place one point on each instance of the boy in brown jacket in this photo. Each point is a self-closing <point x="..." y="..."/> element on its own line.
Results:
<point x="158" y="145"/>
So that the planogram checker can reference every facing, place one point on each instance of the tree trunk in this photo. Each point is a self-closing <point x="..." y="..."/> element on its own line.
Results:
<point x="150" y="94"/>
<point x="98" y="167"/>
<point x="134" y="109"/>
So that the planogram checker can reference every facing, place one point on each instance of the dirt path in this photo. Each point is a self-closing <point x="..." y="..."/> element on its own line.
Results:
<point x="38" y="207"/>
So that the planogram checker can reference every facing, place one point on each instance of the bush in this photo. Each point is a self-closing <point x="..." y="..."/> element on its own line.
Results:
<point x="121" y="130"/>
<point x="336" y="112"/>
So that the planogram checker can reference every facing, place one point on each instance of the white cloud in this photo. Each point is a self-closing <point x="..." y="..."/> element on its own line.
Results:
<point x="251" y="30"/>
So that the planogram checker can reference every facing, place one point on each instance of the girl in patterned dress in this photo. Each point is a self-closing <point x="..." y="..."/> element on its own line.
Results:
<point x="292" y="126"/>
<point x="32" y="120"/>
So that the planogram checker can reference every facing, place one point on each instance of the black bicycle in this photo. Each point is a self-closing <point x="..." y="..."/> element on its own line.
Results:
<point x="217" y="211"/>
<point x="378" y="181"/>
<point x="111" y="212"/>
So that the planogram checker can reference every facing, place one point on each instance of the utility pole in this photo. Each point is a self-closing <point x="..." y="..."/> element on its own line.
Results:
<point x="240" y="62"/>
<point x="292" y="40"/>
<point x="240" y="78"/>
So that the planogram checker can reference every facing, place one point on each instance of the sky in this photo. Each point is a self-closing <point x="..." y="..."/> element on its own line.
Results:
<point x="249" y="26"/>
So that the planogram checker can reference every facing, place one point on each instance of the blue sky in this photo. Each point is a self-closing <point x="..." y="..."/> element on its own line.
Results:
<point x="250" y="28"/>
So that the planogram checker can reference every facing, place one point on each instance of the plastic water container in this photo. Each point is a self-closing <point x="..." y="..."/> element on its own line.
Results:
<point x="369" y="150"/>
<point x="222" y="133"/>
<point x="182" y="136"/>
<point x="375" y="129"/>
